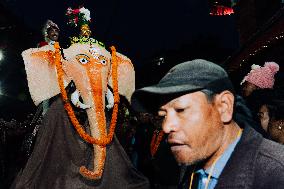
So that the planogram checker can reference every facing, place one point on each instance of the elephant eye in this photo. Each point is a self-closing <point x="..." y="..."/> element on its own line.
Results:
<point x="102" y="60"/>
<point x="82" y="58"/>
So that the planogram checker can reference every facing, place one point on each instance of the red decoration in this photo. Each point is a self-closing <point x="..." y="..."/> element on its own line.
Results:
<point x="220" y="10"/>
<point x="42" y="43"/>
<point x="155" y="142"/>
<point x="76" y="11"/>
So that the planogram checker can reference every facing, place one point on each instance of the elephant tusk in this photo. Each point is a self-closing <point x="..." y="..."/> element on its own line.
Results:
<point x="76" y="101"/>
<point x="110" y="99"/>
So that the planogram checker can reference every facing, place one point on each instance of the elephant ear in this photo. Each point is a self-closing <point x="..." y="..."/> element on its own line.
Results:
<point x="41" y="73"/>
<point x="126" y="76"/>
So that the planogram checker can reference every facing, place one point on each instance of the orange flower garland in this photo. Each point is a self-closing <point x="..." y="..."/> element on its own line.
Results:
<point x="155" y="142"/>
<point x="95" y="175"/>
<point x="103" y="141"/>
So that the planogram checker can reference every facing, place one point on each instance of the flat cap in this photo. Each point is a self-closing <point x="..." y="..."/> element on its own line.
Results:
<point x="186" y="77"/>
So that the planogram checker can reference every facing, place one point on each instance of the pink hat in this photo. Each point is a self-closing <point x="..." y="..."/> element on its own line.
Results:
<point x="262" y="77"/>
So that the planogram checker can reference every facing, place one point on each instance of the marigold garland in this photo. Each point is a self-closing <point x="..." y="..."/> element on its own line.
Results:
<point x="104" y="140"/>
<point x="100" y="167"/>
<point x="155" y="142"/>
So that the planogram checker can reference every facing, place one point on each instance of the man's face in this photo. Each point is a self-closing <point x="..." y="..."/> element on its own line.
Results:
<point x="194" y="127"/>
<point x="263" y="117"/>
<point x="53" y="34"/>
<point x="276" y="130"/>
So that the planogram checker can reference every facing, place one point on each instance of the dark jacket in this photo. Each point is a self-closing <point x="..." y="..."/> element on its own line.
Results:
<point x="256" y="163"/>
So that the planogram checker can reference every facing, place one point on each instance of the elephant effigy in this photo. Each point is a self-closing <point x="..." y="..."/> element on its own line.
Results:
<point x="70" y="151"/>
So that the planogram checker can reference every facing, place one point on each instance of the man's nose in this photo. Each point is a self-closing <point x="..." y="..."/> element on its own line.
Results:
<point x="170" y="123"/>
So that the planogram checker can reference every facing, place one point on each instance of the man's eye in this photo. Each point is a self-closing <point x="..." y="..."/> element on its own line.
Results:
<point x="179" y="110"/>
<point x="161" y="115"/>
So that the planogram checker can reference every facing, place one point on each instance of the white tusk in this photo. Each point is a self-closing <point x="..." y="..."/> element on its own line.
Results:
<point x="110" y="99"/>
<point x="75" y="100"/>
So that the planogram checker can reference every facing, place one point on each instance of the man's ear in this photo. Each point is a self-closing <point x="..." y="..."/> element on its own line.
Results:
<point x="225" y="104"/>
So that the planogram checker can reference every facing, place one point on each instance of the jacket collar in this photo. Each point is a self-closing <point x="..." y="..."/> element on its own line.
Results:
<point x="236" y="173"/>
<point x="239" y="170"/>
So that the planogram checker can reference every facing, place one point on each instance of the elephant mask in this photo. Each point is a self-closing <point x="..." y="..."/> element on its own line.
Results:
<point x="91" y="68"/>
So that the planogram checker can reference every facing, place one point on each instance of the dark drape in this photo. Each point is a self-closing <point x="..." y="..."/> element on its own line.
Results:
<point x="59" y="152"/>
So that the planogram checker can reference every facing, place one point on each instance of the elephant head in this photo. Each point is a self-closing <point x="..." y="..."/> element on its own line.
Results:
<point x="92" y="68"/>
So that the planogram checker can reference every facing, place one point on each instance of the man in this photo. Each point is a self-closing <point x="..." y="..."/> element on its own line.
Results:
<point x="50" y="33"/>
<point x="209" y="135"/>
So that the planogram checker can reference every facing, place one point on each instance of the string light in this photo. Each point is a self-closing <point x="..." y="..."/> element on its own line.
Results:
<point x="1" y="90"/>
<point x="1" y="55"/>
<point x="265" y="45"/>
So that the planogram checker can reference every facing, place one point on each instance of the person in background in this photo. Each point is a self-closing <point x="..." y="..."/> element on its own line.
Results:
<point x="196" y="102"/>
<point x="50" y="33"/>
<point x="276" y="123"/>
<point x="259" y="78"/>
<point x="269" y="107"/>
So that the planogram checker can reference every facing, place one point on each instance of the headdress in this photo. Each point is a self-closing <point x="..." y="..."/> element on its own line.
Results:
<point x="78" y="17"/>
<point x="262" y="77"/>
<point x="81" y="18"/>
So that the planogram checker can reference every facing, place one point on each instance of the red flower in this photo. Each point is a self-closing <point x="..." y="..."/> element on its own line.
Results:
<point x="76" y="11"/>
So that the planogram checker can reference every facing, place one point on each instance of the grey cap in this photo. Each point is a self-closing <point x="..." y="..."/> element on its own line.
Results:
<point x="187" y="77"/>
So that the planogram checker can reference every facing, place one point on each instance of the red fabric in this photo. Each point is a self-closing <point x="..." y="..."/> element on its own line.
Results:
<point x="42" y="43"/>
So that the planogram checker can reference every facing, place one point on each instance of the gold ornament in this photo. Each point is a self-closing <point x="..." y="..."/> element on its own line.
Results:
<point x="85" y="30"/>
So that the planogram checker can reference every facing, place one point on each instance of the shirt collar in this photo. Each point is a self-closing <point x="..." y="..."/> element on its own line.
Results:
<point x="220" y="164"/>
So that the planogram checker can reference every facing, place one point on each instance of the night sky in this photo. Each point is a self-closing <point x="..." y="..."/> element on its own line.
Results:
<point x="142" y="30"/>
<point x="139" y="29"/>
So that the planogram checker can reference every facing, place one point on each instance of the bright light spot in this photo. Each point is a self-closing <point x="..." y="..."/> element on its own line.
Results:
<point x="1" y="55"/>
